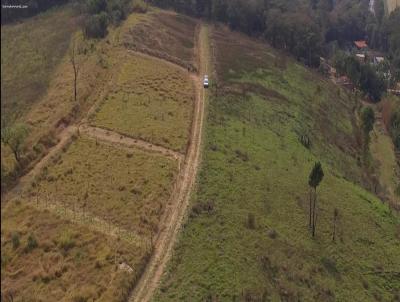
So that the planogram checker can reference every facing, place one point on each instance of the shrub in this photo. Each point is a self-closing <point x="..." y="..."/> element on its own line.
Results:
<point x="15" y="240"/>
<point x="31" y="243"/>
<point x="305" y="141"/>
<point x="66" y="242"/>
<point x="272" y="234"/>
<point x="251" y="221"/>
<point x="96" y="26"/>
<point x="96" y="6"/>
<point x="139" y="7"/>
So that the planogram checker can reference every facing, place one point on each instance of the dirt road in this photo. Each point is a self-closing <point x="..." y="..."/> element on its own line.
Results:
<point x="176" y="209"/>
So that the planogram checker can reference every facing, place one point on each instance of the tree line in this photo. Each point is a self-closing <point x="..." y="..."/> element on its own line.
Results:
<point x="303" y="28"/>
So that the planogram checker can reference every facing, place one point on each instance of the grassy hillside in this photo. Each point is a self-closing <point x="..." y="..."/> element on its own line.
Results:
<point x="127" y="187"/>
<point x="166" y="35"/>
<point x="247" y="237"/>
<point x="62" y="261"/>
<point x="96" y="206"/>
<point x="150" y="100"/>
<point x="30" y="52"/>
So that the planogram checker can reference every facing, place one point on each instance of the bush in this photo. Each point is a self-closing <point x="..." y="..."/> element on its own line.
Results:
<point x="31" y="243"/>
<point x="66" y="242"/>
<point x="15" y="240"/>
<point x="251" y="221"/>
<point x="139" y="7"/>
<point x="96" y="6"/>
<point x="305" y="141"/>
<point x="96" y="26"/>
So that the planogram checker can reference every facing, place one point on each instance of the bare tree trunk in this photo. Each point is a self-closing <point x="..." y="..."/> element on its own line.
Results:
<point x="75" y="66"/>
<point x="315" y="224"/>
<point x="314" y="214"/>
<point x="334" y="229"/>
<point x="310" y="208"/>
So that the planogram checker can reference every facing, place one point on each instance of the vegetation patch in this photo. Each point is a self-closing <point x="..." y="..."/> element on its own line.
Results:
<point x="62" y="258"/>
<point x="25" y="51"/>
<point x="166" y="35"/>
<point x="231" y="252"/>
<point x="127" y="191"/>
<point x="149" y="100"/>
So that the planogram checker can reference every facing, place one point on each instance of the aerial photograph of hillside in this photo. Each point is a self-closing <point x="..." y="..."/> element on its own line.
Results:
<point x="200" y="150"/>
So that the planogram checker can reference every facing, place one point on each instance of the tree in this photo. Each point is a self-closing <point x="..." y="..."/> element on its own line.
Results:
<point x="315" y="178"/>
<point x="96" y="26"/>
<point x="335" y="219"/>
<point x="367" y="120"/>
<point x="73" y="58"/>
<point x="14" y="137"/>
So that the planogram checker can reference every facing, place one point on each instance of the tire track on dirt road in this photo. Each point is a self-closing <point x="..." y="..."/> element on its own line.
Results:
<point x="175" y="211"/>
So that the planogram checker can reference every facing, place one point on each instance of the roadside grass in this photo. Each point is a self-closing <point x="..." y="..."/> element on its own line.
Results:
<point x="47" y="258"/>
<point x="126" y="187"/>
<point x="164" y="34"/>
<point x="254" y="165"/>
<point x="30" y="53"/>
<point x="149" y="100"/>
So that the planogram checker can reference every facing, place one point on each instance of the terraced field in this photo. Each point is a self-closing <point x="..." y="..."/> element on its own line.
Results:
<point x="82" y="224"/>
<point x="151" y="100"/>
<point x="163" y="34"/>
<point x="125" y="186"/>
<point x="45" y="257"/>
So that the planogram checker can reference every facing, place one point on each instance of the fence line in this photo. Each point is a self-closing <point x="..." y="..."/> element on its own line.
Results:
<point x="81" y="216"/>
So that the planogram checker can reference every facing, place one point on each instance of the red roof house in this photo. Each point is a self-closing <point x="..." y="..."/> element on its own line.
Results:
<point x="362" y="44"/>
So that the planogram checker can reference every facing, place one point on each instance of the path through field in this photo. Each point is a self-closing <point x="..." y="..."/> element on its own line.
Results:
<point x="175" y="212"/>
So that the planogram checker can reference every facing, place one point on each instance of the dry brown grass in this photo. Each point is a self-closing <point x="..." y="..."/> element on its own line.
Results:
<point x="163" y="34"/>
<point x="69" y="263"/>
<point x="149" y="100"/>
<point x="127" y="187"/>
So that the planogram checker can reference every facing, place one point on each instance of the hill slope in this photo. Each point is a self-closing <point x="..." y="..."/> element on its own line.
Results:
<point x="247" y="235"/>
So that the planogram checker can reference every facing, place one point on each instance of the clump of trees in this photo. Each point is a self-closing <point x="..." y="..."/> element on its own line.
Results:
<point x="14" y="137"/>
<point x="367" y="120"/>
<point x="101" y="13"/>
<point x="363" y="76"/>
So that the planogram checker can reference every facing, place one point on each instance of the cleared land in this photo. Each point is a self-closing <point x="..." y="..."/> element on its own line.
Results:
<point x="88" y="199"/>
<point x="163" y="34"/>
<point x="254" y="165"/>
<point x="176" y="213"/>
<point x="127" y="187"/>
<point x="150" y="100"/>
<point x="62" y="261"/>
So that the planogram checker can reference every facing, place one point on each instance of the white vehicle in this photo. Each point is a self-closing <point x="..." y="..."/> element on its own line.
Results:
<point x="205" y="82"/>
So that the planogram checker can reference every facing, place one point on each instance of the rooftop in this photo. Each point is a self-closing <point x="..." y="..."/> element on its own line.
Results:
<point x="361" y="44"/>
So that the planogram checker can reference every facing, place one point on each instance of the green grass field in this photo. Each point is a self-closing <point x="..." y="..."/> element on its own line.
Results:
<point x="68" y="262"/>
<point x="150" y="100"/>
<point x="127" y="187"/>
<point x="254" y="165"/>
